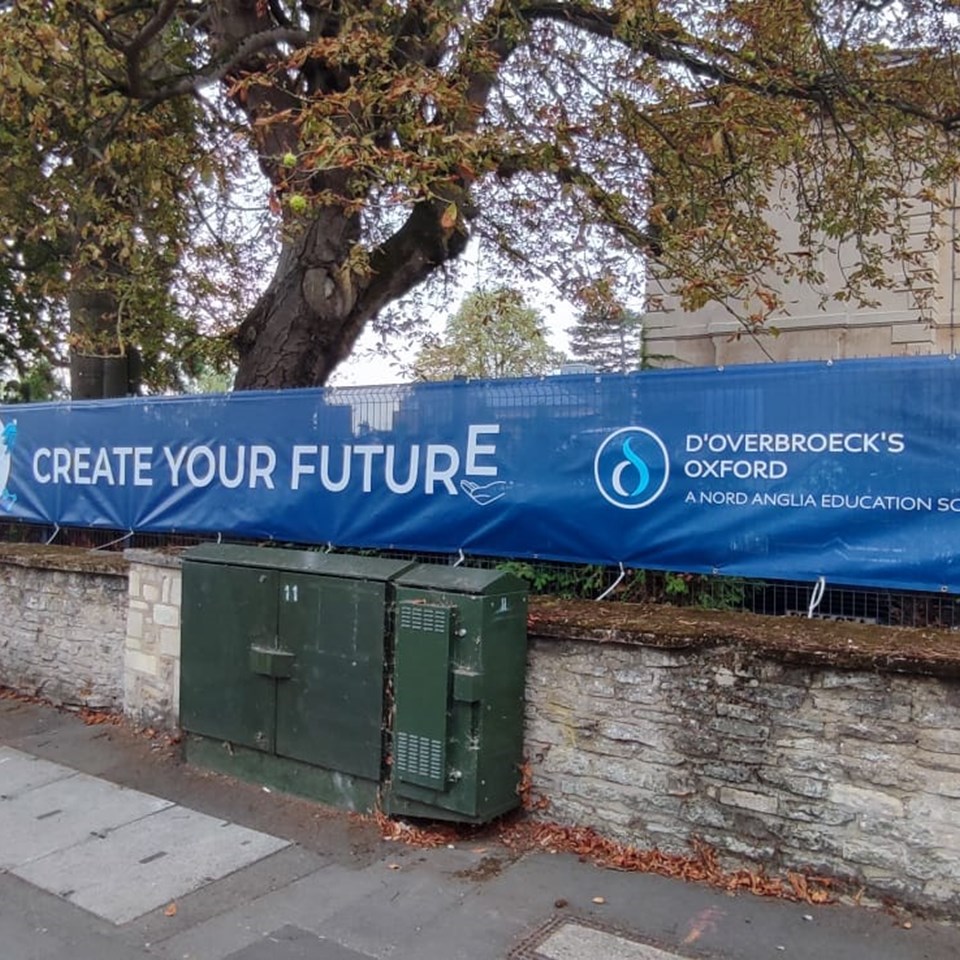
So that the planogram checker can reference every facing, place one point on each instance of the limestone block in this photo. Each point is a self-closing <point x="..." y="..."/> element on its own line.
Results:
<point x="134" y="628"/>
<point x="170" y="642"/>
<point x="141" y="663"/>
<point x="865" y="801"/>
<point x="748" y="800"/>
<point x="166" y="615"/>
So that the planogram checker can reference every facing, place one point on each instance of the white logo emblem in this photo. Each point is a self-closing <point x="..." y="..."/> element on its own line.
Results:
<point x="631" y="468"/>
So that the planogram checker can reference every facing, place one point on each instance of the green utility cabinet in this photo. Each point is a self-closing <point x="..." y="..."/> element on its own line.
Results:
<point x="459" y="664"/>
<point x="283" y="667"/>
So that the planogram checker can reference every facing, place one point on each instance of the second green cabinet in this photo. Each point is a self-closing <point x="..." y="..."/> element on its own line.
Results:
<point x="458" y="680"/>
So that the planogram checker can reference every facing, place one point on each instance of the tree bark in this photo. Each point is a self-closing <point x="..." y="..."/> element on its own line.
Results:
<point x="317" y="304"/>
<point x="308" y="319"/>
<point x="320" y="299"/>
<point x="101" y="366"/>
<point x="98" y="360"/>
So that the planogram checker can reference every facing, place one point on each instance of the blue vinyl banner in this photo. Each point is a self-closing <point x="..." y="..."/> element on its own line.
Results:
<point x="848" y="470"/>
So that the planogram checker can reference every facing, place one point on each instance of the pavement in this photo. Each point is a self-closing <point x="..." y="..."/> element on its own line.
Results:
<point x="112" y="849"/>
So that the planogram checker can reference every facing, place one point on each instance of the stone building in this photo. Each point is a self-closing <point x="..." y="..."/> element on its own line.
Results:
<point x="905" y="320"/>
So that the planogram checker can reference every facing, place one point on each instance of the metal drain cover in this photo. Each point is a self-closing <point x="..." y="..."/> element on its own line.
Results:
<point x="566" y="938"/>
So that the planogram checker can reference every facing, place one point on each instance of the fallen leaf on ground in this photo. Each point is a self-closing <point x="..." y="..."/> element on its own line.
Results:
<point x="702" y="865"/>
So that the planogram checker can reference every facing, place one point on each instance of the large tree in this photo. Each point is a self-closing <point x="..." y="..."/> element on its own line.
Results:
<point x="392" y="131"/>
<point x="106" y="248"/>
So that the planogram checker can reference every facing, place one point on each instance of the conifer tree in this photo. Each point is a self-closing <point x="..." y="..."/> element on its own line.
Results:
<point x="610" y="341"/>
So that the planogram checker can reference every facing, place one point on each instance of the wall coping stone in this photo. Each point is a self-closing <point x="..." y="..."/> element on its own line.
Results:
<point x="154" y="558"/>
<point x="831" y="644"/>
<point x="64" y="559"/>
<point x="798" y="640"/>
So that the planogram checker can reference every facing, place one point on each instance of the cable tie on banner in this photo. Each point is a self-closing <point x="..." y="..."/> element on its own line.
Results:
<point x="110" y="543"/>
<point x="816" y="596"/>
<point x="329" y="547"/>
<point x="460" y="558"/>
<point x="219" y="538"/>
<point x="53" y="536"/>
<point x="613" y="586"/>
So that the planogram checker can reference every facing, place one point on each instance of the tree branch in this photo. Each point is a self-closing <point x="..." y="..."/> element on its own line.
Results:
<point x="151" y="28"/>
<point x="668" y="43"/>
<point x="279" y="15"/>
<point x="411" y="254"/>
<point x="412" y="30"/>
<point x="221" y="67"/>
<point x="583" y="16"/>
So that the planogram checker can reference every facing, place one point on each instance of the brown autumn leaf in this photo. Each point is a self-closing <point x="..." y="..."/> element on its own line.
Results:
<point x="398" y="830"/>
<point x="171" y="910"/>
<point x="702" y="865"/>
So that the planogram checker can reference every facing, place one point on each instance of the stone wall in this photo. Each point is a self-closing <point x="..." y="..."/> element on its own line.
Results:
<point x="849" y="773"/>
<point x="63" y="616"/>
<point x="755" y="746"/>
<point x="151" y="656"/>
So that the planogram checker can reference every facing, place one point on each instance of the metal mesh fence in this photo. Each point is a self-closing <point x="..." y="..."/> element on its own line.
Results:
<point x="779" y="598"/>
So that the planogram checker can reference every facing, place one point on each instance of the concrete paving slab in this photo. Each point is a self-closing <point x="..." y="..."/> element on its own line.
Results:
<point x="307" y="903"/>
<point x="292" y="943"/>
<point x="472" y="931"/>
<point x="20" y="772"/>
<point x="258" y="879"/>
<point x="66" y="812"/>
<point x="148" y="863"/>
<point x="37" y="926"/>
<point x="407" y="903"/>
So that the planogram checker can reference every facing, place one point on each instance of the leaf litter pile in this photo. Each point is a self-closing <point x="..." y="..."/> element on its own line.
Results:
<point x="91" y="716"/>
<point x="703" y="865"/>
<point x="97" y="717"/>
<point x="521" y="835"/>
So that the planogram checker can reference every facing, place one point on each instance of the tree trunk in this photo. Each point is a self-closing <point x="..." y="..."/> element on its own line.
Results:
<point x="98" y="356"/>
<point x="95" y="351"/>
<point x="308" y="319"/>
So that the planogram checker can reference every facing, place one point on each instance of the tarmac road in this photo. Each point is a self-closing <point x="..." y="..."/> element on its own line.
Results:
<point x="110" y="849"/>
